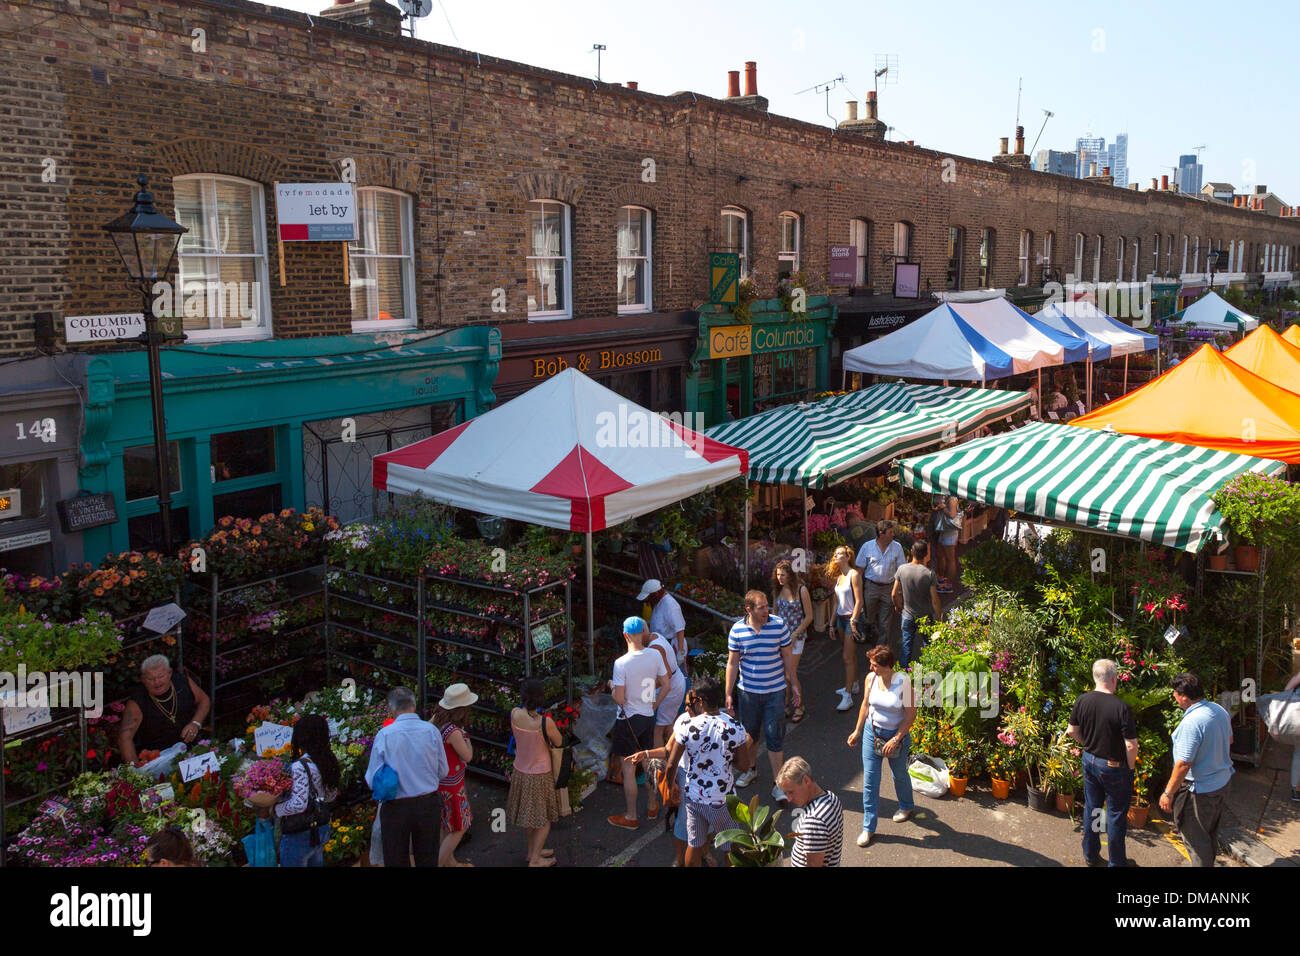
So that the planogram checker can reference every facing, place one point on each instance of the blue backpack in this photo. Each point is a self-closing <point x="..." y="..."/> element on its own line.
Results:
<point x="384" y="785"/>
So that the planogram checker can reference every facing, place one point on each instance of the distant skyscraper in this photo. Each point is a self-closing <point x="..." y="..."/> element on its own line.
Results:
<point x="1090" y="150"/>
<point x="1118" y="160"/>
<point x="1189" y="174"/>
<point x="1058" y="162"/>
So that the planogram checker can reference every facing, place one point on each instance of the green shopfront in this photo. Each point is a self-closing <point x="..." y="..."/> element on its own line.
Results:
<point x="261" y="426"/>
<point x="777" y="358"/>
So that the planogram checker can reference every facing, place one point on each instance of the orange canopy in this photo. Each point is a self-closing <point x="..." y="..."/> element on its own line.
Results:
<point x="1292" y="334"/>
<point x="1269" y="356"/>
<point x="1210" y="401"/>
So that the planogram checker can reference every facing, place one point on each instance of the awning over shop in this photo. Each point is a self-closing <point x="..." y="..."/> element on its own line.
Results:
<point x="569" y="453"/>
<point x="1107" y="337"/>
<point x="1211" y="401"/>
<point x="967" y="341"/>
<point x="966" y="408"/>
<point x="1269" y="356"/>
<point x="1211" y="311"/>
<point x="814" y="446"/>
<point x="1104" y="481"/>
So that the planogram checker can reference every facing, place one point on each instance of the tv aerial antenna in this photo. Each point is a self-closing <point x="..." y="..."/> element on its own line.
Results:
<point x="598" y="49"/>
<point x="886" y="69"/>
<point x="413" y="10"/>
<point x="1047" y="114"/>
<point x="826" y="88"/>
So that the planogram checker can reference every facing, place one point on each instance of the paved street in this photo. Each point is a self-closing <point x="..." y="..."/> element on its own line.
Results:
<point x="974" y="830"/>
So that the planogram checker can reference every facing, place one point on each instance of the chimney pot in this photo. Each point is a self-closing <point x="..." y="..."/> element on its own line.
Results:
<point x="631" y="84"/>
<point x="1020" y="140"/>
<point x="1164" y="182"/>
<point x="1092" y="169"/>
<point x="733" y="83"/>
<point x="871" y="104"/>
<point x="852" y="111"/>
<point x="1002" y="151"/>
<point x="1153" y="182"/>
<point x="1105" y="170"/>
<point x="751" y="78"/>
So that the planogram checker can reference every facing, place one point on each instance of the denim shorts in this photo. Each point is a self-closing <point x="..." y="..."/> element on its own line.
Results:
<point x="764" y="712"/>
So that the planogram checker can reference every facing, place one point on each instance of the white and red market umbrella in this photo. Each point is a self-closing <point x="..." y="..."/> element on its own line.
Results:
<point x="569" y="454"/>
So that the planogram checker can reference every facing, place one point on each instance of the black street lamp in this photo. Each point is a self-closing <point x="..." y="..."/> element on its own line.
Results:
<point x="1213" y="258"/>
<point x="147" y="240"/>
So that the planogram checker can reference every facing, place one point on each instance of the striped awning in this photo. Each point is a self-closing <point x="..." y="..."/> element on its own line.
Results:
<point x="1136" y="487"/>
<point x="814" y="446"/>
<point x="967" y="408"/>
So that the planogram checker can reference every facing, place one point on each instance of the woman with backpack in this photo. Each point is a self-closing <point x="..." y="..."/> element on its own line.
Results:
<point x="305" y="811"/>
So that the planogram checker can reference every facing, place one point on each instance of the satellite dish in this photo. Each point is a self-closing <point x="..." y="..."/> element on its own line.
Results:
<point x="416" y="9"/>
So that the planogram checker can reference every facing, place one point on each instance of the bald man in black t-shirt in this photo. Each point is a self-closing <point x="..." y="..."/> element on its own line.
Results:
<point x="1104" y="727"/>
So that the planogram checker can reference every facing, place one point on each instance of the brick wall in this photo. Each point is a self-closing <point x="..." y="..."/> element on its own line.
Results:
<point x="107" y="90"/>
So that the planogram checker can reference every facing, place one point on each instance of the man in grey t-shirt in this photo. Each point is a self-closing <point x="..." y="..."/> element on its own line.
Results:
<point x="916" y="592"/>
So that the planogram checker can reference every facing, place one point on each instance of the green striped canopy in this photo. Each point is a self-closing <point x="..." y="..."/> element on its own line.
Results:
<point x="812" y="446"/>
<point x="969" y="408"/>
<point x="1105" y="481"/>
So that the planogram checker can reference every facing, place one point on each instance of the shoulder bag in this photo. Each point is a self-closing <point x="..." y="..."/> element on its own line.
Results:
<point x="319" y="811"/>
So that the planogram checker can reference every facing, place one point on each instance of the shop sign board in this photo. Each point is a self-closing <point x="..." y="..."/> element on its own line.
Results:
<point x="724" y="277"/>
<point x="844" y="261"/>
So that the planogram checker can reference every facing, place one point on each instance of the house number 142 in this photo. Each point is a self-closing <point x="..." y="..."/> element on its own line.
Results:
<point x="42" y="428"/>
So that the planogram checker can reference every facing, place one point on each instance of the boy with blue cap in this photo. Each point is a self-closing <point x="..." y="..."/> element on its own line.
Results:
<point x="640" y="677"/>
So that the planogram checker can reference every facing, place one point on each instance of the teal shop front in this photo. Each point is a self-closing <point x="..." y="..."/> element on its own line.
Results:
<point x="776" y="358"/>
<point x="259" y="426"/>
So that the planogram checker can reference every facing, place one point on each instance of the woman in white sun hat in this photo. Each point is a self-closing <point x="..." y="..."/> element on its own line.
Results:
<point x="450" y="713"/>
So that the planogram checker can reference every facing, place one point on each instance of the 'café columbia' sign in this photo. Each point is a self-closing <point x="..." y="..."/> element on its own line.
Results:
<point x="730" y="341"/>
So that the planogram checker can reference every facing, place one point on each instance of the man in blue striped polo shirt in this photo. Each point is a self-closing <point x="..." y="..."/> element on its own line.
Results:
<point x="760" y="653"/>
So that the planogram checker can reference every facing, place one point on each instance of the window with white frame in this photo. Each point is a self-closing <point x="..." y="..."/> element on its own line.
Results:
<point x="956" y="249"/>
<point x="1137" y="259"/>
<point x="1049" y="247"/>
<point x="1119" y="259"/>
<point x="1078" y="257"/>
<point x="733" y="235"/>
<point x="1185" y="242"/>
<point x="382" y="261"/>
<point x="903" y="240"/>
<point x="222" y="272"/>
<point x="1169" y="253"/>
<point x="1232" y="256"/>
<point x="1155" y="254"/>
<point x="1026" y="247"/>
<point x="1096" y="257"/>
<point x="549" y="267"/>
<point x="787" y="254"/>
<point x="860" y="239"/>
<point x="987" y="238"/>
<point x="634" y="266"/>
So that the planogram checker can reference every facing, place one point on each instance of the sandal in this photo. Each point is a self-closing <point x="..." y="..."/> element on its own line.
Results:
<point x="546" y="861"/>
<point x="798" y="715"/>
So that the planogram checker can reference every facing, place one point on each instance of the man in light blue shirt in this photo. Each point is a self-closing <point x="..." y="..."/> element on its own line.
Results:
<point x="1198" y="787"/>
<point x="413" y="748"/>
<point x="879" y="560"/>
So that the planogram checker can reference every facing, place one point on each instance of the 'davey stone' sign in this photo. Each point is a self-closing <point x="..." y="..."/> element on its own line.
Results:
<point x="315" y="212"/>
<point x="103" y="328"/>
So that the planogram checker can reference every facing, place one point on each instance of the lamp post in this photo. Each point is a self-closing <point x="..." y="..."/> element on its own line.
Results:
<point x="1213" y="258"/>
<point x="147" y="240"/>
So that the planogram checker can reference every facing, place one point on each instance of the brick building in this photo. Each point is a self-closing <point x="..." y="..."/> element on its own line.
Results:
<point x="544" y="219"/>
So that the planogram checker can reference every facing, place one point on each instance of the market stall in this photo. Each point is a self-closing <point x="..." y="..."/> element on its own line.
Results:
<point x="1269" y="356"/>
<point x="1156" y="491"/>
<point x="1106" y="337"/>
<point x="568" y="454"/>
<point x="1213" y="312"/>
<point x="961" y="409"/>
<point x="1292" y="335"/>
<point x="1209" y="400"/>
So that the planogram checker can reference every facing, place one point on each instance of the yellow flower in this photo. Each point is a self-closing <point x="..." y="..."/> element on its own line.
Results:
<point x="308" y="526"/>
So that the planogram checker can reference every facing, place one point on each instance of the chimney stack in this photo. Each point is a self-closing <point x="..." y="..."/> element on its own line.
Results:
<point x="911" y="142"/>
<point x="376" y="15"/>
<point x="871" y="127"/>
<point x="751" y="78"/>
<point x="1164" y="182"/>
<point x="851" y="116"/>
<point x="631" y="84"/>
<point x="751" y="99"/>
<point x="733" y="84"/>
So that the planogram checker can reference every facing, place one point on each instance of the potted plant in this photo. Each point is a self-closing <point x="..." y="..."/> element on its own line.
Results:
<point x="1259" y="511"/>
<point x="746" y="296"/>
<point x="1064" y="772"/>
<point x="1003" y="762"/>
<point x="755" y="840"/>
<point x="965" y="761"/>
<point x="1151" y="750"/>
<point x="1024" y="734"/>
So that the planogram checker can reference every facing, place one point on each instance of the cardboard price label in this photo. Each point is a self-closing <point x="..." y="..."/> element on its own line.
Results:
<point x="271" y="737"/>
<point x="194" y="767"/>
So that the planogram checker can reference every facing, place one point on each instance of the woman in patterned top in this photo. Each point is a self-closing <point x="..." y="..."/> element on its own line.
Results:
<point x="793" y="603"/>
<point x="447" y="716"/>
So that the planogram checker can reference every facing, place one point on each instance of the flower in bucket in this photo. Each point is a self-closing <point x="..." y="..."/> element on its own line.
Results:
<point x="265" y="776"/>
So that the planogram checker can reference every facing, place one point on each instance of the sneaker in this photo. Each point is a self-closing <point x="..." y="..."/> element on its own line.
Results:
<point x="902" y="816"/>
<point x="778" y="794"/>
<point x="864" y="838"/>
<point x="624" y="822"/>
<point x="1097" y="862"/>
<point x="746" y="778"/>
<point x="1295" y="796"/>
<point x="846" y="700"/>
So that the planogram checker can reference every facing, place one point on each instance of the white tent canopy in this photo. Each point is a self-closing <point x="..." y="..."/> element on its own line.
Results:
<point x="1107" y="337"/>
<point x="1210" y="311"/>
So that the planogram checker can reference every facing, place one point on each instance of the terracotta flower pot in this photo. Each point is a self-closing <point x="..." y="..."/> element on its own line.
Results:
<point x="1137" y="815"/>
<point x="1065" y="802"/>
<point x="1247" y="557"/>
<point x="1218" y="562"/>
<point x="1001" y="788"/>
<point x="957" y="786"/>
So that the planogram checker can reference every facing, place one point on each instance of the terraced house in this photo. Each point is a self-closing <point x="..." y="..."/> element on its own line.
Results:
<point x="510" y="222"/>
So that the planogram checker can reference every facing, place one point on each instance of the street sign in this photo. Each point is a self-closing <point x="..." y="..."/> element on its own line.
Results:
<point x="724" y="277"/>
<point x="103" y="328"/>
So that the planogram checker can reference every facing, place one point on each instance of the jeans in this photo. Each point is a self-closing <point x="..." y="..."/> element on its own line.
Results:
<point x="764" y="712"/>
<point x="296" y="848"/>
<point x="1112" y="786"/>
<point x="1197" y="816"/>
<point x="913" y="642"/>
<point x="871" y="767"/>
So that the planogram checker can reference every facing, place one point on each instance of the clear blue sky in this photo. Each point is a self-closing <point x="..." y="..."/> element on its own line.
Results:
<point x="1189" y="74"/>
